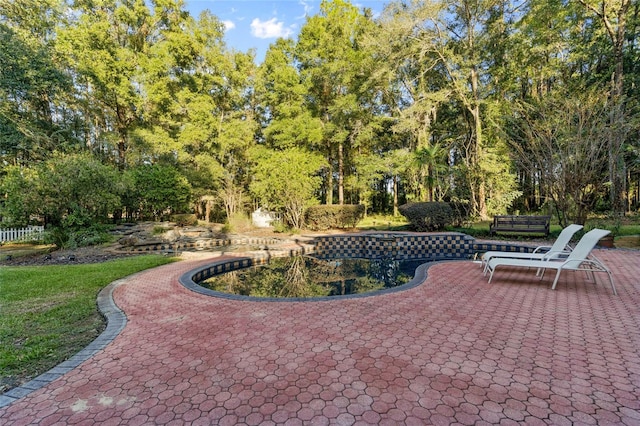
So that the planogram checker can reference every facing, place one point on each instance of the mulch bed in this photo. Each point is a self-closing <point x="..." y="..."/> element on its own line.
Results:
<point x="63" y="257"/>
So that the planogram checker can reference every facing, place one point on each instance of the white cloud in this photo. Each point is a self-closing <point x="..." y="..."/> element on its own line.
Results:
<point x="308" y="8"/>
<point x="269" y="29"/>
<point x="228" y="25"/>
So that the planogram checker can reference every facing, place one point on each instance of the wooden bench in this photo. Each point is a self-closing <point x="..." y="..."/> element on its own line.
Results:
<point x="513" y="223"/>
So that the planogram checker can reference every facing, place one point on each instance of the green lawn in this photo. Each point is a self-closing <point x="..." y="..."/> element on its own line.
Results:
<point x="630" y="225"/>
<point x="49" y="313"/>
<point x="383" y="223"/>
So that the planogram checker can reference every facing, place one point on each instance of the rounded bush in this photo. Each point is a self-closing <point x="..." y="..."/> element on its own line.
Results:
<point x="429" y="216"/>
<point x="325" y="217"/>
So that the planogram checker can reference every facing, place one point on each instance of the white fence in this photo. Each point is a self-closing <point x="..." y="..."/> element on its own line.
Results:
<point x="21" y="234"/>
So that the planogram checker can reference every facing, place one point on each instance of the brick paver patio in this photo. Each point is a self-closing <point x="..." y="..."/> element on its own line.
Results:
<point x="452" y="350"/>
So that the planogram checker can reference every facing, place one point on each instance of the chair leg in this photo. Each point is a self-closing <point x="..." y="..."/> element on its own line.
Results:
<point x="553" y="287"/>
<point x="613" y="286"/>
<point x="491" y="274"/>
<point x="485" y="265"/>
<point x="591" y="275"/>
<point x="540" y="272"/>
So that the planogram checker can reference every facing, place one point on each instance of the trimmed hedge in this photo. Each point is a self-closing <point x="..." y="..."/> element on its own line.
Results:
<point x="323" y="217"/>
<point x="430" y="216"/>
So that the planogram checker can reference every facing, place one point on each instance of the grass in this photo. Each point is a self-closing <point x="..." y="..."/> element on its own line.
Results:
<point x="49" y="313"/>
<point x="630" y="225"/>
<point x="384" y="223"/>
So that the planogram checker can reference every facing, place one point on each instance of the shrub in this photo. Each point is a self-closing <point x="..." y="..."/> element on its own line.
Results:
<point x="286" y="181"/>
<point x="72" y="190"/>
<point x="431" y="216"/>
<point x="74" y="237"/>
<point x="334" y="216"/>
<point x="160" y="229"/>
<point x="237" y="223"/>
<point x="184" y="219"/>
<point x="280" y="227"/>
<point x="461" y="212"/>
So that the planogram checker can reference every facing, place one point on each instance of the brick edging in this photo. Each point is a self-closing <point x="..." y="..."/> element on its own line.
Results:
<point x="116" y="321"/>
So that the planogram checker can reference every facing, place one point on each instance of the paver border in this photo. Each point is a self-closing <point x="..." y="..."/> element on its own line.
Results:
<point x="116" y="321"/>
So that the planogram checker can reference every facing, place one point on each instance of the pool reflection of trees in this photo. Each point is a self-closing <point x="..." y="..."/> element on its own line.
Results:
<point x="305" y="276"/>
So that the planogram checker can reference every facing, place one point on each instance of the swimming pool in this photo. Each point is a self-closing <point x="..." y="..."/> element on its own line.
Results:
<point x="397" y="246"/>
<point x="302" y="276"/>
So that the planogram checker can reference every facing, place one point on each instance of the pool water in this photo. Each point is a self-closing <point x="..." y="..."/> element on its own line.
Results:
<point x="307" y="276"/>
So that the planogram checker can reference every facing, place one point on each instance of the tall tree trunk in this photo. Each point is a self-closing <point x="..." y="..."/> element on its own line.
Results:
<point x="617" y="166"/>
<point x="395" y="195"/>
<point x="329" y="182"/>
<point x="341" y="173"/>
<point x="430" y="179"/>
<point x="478" y="182"/>
<point x="123" y="134"/>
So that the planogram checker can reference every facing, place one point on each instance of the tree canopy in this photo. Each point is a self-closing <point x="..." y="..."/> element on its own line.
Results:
<point x="499" y="105"/>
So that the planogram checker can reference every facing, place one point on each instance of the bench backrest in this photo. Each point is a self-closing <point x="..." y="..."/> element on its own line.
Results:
<point x="524" y="220"/>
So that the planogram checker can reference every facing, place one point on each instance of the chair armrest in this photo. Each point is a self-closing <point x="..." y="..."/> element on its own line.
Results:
<point x="596" y="265"/>
<point x="555" y="255"/>
<point x="547" y="248"/>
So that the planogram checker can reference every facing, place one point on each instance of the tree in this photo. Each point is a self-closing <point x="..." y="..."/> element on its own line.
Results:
<point x="332" y="63"/>
<point x="144" y="84"/>
<point x="19" y="198"/>
<point x="31" y="86"/>
<point x="286" y="181"/>
<point x="461" y="56"/>
<point x="200" y="114"/>
<point x="441" y="57"/>
<point x="566" y="148"/>
<point x="77" y="190"/>
<point x="430" y="164"/>
<point x="158" y="191"/>
<point x="370" y="168"/>
<point x="282" y="97"/>
<point x="397" y="162"/>
<point x="613" y="15"/>
<point x="414" y="89"/>
<point x="110" y="45"/>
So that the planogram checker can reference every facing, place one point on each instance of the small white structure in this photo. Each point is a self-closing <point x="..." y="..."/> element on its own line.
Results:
<point x="262" y="219"/>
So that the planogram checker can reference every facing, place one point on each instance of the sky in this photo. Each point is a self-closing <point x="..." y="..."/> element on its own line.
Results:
<point x="258" y="23"/>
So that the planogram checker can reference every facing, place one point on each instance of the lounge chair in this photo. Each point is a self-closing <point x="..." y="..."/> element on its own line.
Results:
<point x="560" y="248"/>
<point x="579" y="259"/>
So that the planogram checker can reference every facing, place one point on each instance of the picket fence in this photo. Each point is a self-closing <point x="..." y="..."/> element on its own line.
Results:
<point x="21" y="234"/>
